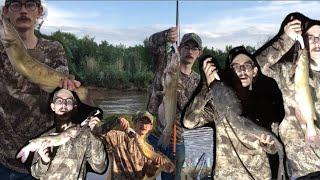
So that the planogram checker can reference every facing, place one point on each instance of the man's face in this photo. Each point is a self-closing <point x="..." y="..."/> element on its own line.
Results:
<point x="23" y="14"/>
<point x="314" y="44"/>
<point x="143" y="126"/>
<point x="63" y="103"/>
<point x="189" y="52"/>
<point x="244" y="67"/>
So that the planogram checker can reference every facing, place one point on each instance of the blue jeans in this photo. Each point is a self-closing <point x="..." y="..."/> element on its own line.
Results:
<point x="8" y="174"/>
<point x="179" y="159"/>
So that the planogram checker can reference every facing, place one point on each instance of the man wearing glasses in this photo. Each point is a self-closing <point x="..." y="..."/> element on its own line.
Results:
<point x="23" y="105"/>
<point x="260" y="97"/>
<point x="68" y="161"/>
<point x="300" y="136"/>
<point x="189" y="49"/>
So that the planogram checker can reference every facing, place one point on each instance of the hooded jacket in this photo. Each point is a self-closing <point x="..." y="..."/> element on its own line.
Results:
<point x="263" y="104"/>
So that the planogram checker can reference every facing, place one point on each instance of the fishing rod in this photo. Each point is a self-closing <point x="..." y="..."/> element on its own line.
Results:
<point x="176" y="51"/>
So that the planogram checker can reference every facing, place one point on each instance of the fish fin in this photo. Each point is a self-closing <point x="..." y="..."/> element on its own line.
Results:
<point x="23" y="154"/>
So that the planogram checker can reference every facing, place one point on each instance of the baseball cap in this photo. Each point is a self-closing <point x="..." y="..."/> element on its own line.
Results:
<point x="143" y="114"/>
<point x="192" y="37"/>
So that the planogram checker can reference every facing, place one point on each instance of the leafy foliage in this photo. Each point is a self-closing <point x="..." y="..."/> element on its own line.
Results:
<point x="109" y="66"/>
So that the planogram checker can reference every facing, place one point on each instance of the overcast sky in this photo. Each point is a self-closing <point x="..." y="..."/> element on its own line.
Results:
<point x="219" y="23"/>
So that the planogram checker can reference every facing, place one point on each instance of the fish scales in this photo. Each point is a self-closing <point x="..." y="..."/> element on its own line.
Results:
<point x="35" y="71"/>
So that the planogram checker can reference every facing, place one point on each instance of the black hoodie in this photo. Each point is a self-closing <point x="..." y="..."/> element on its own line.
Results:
<point x="264" y="103"/>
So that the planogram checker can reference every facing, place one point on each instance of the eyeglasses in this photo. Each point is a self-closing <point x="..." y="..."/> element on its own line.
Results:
<point x="60" y="101"/>
<point x="191" y="48"/>
<point x="248" y="66"/>
<point x="313" y="39"/>
<point x="29" y="5"/>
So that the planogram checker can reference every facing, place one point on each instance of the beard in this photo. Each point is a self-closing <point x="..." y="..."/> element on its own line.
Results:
<point x="66" y="118"/>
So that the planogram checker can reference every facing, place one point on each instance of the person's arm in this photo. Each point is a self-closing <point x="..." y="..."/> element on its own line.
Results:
<point x="96" y="154"/>
<point x="41" y="161"/>
<point x="112" y="139"/>
<point x="39" y="167"/>
<point x="104" y="128"/>
<point x="200" y="111"/>
<point x="276" y="109"/>
<point x="269" y="55"/>
<point x="159" y="47"/>
<point x="158" y="43"/>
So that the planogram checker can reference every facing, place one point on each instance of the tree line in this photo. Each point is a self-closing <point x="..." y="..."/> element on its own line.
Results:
<point x="115" y="66"/>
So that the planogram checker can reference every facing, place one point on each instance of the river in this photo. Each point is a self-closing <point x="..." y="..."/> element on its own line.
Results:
<point x="197" y="141"/>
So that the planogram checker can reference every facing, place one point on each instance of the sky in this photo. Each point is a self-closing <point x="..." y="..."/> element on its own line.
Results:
<point x="219" y="23"/>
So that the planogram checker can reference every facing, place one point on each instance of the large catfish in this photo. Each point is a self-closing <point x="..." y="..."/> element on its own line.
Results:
<point x="168" y="107"/>
<point x="52" y="140"/>
<point x="35" y="71"/>
<point x="303" y="97"/>
<point x="149" y="153"/>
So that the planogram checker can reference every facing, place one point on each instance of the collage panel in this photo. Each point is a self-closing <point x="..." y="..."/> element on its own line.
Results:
<point x="159" y="90"/>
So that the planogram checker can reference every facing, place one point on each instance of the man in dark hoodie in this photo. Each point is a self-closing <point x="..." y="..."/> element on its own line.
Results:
<point x="260" y="96"/>
<point x="68" y="161"/>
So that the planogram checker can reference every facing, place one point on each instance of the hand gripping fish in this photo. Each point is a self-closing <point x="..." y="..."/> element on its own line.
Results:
<point x="150" y="154"/>
<point x="52" y="140"/>
<point x="228" y="106"/>
<point x="303" y="97"/>
<point x="29" y="67"/>
<point x="168" y="107"/>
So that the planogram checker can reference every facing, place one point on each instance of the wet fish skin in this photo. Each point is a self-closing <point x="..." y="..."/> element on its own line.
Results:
<point x="169" y="102"/>
<point x="52" y="140"/>
<point x="152" y="155"/>
<point x="303" y="97"/>
<point x="35" y="71"/>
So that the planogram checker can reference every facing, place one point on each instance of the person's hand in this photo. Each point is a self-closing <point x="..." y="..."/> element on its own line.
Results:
<point x="172" y="35"/>
<point x="293" y="29"/>
<point x="124" y="124"/>
<point x="93" y="121"/>
<point x="43" y="151"/>
<point x="265" y="140"/>
<point x="71" y="85"/>
<point x="159" y="161"/>
<point x="209" y="70"/>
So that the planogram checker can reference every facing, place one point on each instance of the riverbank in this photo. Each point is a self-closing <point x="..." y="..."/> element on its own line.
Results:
<point x="99" y="93"/>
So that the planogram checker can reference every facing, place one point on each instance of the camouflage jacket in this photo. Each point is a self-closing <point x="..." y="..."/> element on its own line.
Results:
<point x="126" y="159"/>
<point x="237" y="151"/>
<point x="23" y="105"/>
<point x="70" y="159"/>
<point x="160" y="48"/>
<point x="302" y="158"/>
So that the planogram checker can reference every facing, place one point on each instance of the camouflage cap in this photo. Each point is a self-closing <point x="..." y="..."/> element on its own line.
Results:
<point x="193" y="37"/>
<point x="143" y="114"/>
<point x="7" y="2"/>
